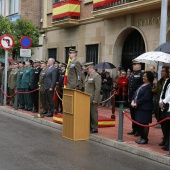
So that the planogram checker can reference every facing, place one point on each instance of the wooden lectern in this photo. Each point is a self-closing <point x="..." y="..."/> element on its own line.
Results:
<point x="76" y="114"/>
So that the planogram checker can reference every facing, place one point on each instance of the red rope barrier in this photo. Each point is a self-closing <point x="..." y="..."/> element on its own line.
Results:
<point x="168" y="118"/>
<point x="21" y="92"/>
<point x="6" y="94"/>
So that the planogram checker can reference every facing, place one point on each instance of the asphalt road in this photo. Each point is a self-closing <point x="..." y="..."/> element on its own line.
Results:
<point x="26" y="145"/>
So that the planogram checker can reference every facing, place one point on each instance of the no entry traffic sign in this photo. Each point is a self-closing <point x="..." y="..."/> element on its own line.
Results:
<point x="25" y="42"/>
<point x="6" y="41"/>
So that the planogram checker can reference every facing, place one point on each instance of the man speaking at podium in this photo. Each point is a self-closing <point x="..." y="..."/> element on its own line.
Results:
<point x="74" y="71"/>
<point x="93" y="87"/>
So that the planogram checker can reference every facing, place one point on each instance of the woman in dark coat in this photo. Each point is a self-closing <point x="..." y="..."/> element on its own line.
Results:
<point x="143" y="104"/>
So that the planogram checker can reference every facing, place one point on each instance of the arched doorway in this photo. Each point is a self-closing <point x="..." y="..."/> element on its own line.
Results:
<point x="133" y="46"/>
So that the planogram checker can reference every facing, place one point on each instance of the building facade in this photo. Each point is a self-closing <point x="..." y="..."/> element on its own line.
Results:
<point x="116" y="31"/>
<point x="28" y="10"/>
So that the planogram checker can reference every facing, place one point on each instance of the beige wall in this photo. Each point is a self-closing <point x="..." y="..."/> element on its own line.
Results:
<point x="110" y="34"/>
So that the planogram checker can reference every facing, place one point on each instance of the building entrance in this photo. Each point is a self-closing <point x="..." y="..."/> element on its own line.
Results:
<point x="132" y="48"/>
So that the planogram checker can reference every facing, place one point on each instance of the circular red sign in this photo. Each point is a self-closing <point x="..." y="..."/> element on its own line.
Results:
<point x="6" y="41"/>
<point x="25" y="42"/>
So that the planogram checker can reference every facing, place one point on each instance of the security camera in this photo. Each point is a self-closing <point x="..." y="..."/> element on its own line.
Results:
<point x="44" y="36"/>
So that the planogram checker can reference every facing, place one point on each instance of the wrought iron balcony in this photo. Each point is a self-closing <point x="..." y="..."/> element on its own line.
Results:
<point x="111" y="8"/>
<point x="66" y="13"/>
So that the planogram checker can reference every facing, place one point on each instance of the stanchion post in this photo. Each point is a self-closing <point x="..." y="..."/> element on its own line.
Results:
<point x="113" y="105"/>
<point x="120" y="131"/>
<point x="39" y="99"/>
<point x="39" y="115"/>
<point x="169" y="141"/>
<point x="2" y="96"/>
<point x="16" y="101"/>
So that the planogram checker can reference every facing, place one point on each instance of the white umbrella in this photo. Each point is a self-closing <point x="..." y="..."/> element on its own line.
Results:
<point x="153" y="58"/>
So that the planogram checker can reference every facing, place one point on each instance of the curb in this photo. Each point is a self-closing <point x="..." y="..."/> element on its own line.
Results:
<point x="112" y="143"/>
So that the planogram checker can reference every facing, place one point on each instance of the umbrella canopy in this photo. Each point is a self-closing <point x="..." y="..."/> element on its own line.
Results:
<point x="104" y="65"/>
<point x="153" y="58"/>
<point x="165" y="47"/>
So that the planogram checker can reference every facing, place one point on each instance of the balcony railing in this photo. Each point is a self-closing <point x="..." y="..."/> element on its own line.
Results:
<point x="102" y="4"/>
<point x="66" y="9"/>
<point x="115" y="8"/>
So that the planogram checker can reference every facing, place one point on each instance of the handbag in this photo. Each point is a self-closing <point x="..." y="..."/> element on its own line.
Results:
<point x="106" y="87"/>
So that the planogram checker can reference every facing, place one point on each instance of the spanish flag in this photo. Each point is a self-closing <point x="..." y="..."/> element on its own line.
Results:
<point x="66" y="74"/>
<point x="102" y="3"/>
<point x="67" y="8"/>
<point x="98" y="3"/>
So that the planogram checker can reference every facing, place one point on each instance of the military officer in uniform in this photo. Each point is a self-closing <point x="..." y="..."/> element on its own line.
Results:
<point x="135" y="80"/>
<point x="61" y="85"/>
<point x="26" y="83"/>
<point x="13" y="81"/>
<point x="19" y="85"/>
<point x="74" y="71"/>
<point x="42" y="89"/>
<point x="34" y="84"/>
<point x="93" y="87"/>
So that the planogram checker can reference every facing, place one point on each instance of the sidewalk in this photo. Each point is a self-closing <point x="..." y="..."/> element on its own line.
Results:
<point x="109" y="135"/>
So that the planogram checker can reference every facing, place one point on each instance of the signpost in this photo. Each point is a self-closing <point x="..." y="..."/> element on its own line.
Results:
<point x="25" y="42"/>
<point x="7" y="43"/>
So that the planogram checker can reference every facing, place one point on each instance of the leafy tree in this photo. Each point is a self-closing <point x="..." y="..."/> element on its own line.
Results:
<point x="18" y="29"/>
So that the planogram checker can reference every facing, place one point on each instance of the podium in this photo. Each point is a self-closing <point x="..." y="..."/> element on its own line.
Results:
<point x="76" y="115"/>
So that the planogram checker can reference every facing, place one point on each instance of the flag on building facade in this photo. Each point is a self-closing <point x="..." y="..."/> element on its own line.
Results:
<point x="68" y="8"/>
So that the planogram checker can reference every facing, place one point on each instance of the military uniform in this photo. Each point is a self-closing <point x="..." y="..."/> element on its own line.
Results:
<point x="93" y="87"/>
<point x="20" y="89"/>
<point x="12" y="83"/>
<point x="135" y="80"/>
<point x="43" y="98"/>
<point x="26" y="83"/>
<point x="33" y="86"/>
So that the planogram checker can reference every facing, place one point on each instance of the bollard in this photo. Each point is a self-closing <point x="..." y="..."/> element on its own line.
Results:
<point x="16" y="101"/>
<point x="120" y="131"/>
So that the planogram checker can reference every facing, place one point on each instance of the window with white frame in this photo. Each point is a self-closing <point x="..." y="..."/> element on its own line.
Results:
<point x="2" y="7"/>
<point x="13" y="6"/>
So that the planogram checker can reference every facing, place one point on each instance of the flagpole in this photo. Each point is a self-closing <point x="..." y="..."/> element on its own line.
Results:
<point x="163" y="28"/>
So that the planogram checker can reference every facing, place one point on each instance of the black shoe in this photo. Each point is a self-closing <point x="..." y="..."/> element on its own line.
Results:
<point x="20" y="107"/>
<point x="137" y="141"/>
<point x="137" y="134"/>
<point x="131" y="133"/>
<point x="166" y="148"/>
<point x="49" y="115"/>
<point x="35" y="111"/>
<point x="162" y="143"/>
<point x="143" y="141"/>
<point x="43" y="113"/>
<point x="93" y="131"/>
<point x="29" y="109"/>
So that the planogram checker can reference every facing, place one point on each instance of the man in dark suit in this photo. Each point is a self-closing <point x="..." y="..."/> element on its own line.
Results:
<point x="49" y="84"/>
<point x="34" y="84"/>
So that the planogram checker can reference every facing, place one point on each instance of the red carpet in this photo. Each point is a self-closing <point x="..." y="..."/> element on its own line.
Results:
<point x="102" y="121"/>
